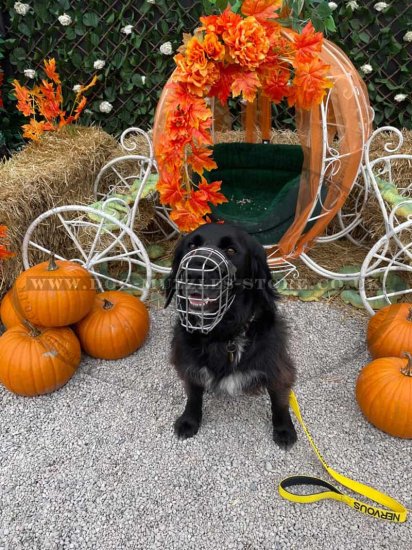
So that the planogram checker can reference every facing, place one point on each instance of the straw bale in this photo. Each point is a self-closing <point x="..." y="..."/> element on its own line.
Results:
<point x="59" y="169"/>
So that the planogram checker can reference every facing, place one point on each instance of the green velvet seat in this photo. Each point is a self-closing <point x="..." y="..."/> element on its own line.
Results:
<point x="261" y="182"/>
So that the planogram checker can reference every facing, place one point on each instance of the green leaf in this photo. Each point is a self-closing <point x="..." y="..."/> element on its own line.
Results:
<point x="90" y="19"/>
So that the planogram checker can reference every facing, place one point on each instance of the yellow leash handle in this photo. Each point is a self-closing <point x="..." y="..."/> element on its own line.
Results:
<point x="395" y="511"/>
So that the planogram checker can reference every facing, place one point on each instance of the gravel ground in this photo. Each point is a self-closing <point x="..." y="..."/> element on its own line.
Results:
<point x="96" y="465"/>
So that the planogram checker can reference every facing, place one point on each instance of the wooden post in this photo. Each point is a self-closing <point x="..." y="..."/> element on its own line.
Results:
<point x="265" y="108"/>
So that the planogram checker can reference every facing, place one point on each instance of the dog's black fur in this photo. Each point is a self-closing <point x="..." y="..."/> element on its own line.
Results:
<point x="266" y="351"/>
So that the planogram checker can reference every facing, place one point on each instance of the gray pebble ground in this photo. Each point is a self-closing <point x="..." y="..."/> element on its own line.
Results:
<point x="96" y="465"/>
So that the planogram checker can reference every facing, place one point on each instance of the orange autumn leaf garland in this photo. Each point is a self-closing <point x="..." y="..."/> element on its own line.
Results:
<point x="231" y="54"/>
<point x="44" y="103"/>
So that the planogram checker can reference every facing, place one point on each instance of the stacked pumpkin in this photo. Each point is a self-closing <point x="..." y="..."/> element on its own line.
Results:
<point x="39" y="352"/>
<point x="384" y="386"/>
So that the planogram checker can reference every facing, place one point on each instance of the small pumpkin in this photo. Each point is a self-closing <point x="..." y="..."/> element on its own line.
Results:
<point x="54" y="293"/>
<point x="37" y="361"/>
<point x="116" y="326"/>
<point x="8" y="314"/>
<point x="384" y="394"/>
<point x="390" y="331"/>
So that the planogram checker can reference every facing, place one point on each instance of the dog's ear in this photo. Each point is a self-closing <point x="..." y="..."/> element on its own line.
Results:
<point x="170" y="282"/>
<point x="261" y="276"/>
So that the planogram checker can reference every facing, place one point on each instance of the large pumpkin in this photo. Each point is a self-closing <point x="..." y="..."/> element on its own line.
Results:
<point x="8" y="314"/>
<point x="384" y="394"/>
<point x="35" y="362"/>
<point x="54" y="293"/>
<point x="390" y="331"/>
<point x="116" y="326"/>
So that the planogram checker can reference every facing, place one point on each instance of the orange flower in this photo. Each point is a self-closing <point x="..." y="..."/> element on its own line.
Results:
<point x="214" y="49"/>
<point x="219" y="24"/>
<point x="308" y="44"/>
<point x="50" y="70"/>
<point x="310" y="84"/>
<point x="248" y="43"/>
<point x="195" y="54"/>
<point x="199" y="77"/>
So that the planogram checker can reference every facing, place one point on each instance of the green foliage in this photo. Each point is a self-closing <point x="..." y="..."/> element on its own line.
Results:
<point x="376" y="38"/>
<point x="96" y="33"/>
<point x="367" y="36"/>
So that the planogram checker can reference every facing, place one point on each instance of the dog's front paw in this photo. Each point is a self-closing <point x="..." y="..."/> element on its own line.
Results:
<point x="285" y="436"/>
<point x="186" y="426"/>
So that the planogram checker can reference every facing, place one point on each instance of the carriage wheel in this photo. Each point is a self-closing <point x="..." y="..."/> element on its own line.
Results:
<point x="105" y="246"/>
<point x="386" y="273"/>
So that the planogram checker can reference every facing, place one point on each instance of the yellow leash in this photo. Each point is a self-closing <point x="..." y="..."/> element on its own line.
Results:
<point x="395" y="511"/>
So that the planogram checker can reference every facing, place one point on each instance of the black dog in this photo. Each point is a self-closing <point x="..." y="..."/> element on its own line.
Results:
<point x="260" y="357"/>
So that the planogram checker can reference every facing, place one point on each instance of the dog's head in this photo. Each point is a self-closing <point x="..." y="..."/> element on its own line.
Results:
<point x="242" y="251"/>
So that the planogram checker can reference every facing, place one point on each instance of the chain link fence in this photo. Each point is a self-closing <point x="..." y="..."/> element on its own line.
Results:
<point x="138" y="63"/>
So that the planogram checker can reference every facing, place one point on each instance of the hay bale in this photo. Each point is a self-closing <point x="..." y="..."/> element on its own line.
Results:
<point x="58" y="170"/>
<point x="401" y="177"/>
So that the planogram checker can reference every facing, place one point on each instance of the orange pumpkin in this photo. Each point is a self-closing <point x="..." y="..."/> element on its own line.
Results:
<point x="8" y="314"/>
<point x="54" y="293"/>
<point x="116" y="326"/>
<point x="384" y="394"/>
<point x="35" y="362"/>
<point x="390" y="331"/>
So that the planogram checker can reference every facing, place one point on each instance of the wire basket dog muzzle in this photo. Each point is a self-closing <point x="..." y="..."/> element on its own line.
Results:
<point x="204" y="289"/>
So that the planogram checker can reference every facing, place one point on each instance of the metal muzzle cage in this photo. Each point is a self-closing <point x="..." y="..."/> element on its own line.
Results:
<point x="204" y="289"/>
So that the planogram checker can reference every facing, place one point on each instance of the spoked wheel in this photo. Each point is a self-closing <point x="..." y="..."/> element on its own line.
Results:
<point x="105" y="246"/>
<point x="386" y="273"/>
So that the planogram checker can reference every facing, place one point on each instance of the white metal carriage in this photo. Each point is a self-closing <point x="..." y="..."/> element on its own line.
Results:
<point x="111" y="240"/>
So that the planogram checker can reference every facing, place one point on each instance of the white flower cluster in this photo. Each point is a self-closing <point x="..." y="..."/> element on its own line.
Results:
<point x="166" y="48"/>
<point x="332" y="6"/>
<point x="400" y="97"/>
<point x="128" y="29"/>
<point x="143" y="79"/>
<point x="380" y="6"/>
<point x="99" y="64"/>
<point x="353" y="5"/>
<point x="366" y="69"/>
<point x="151" y="1"/>
<point x="105" y="107"/>
<point x="65" y="20"/>
<point x="30" y="73"/>
<point x="21" y="8"/>
<point x="77" y="88"/>
<point x="408" y="36"/>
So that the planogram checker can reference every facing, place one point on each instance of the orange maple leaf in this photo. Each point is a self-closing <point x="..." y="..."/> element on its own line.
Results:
<point x="34" y="129"/>
<point x="310" y="84"/>
<point x="24" y="101"/>
<point x="245" y="83"/>
<point x="308" y="44"/>
<point x="169" y="189"/>
<point x="81" y="105"/>
<point x="50" y="70"/>
<point x="200" y="160"/>
<point x="221" y="89"/>
<point x="262" y="10"/>
<point x="186" y="218"/>
<point x="211" y="192"/>
<point x="275" y="85"/>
